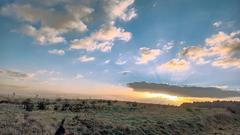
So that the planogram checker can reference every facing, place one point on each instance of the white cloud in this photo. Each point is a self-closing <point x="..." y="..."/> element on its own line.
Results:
<point x="217" y="24"/>
<point x="86" y="58"/>
<point x="168" y="46"/>
<point x="147" y="54"/>
<point x="120" y="9"/>
<point x="195" y="53"/>
<point x="217" y="39"/>
<point x="78" y="76"/>
<point x="102" y="39"/>
<point x="121" y="61"/>
<point x="107" y="61"/>
<point x="44" y="35"/>
<point x="221" y="50"/>
<point x="129" y="15"/>
<point x="174" y="65"/>
<point x="57" y="52"/>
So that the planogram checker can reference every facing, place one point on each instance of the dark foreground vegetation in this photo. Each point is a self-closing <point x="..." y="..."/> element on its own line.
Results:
<point x="19" y="116"/>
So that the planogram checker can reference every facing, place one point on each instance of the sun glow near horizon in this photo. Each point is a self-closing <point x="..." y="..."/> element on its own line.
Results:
<point x="161" y="95"/>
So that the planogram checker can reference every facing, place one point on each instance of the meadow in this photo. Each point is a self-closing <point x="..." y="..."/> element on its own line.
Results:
<point x="39" y="116"/>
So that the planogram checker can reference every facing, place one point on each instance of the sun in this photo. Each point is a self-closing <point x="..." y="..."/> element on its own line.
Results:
<point x="160" y="95"/>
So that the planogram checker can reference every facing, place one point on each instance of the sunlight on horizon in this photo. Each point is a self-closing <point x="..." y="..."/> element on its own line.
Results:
<point x="160" y="95"/>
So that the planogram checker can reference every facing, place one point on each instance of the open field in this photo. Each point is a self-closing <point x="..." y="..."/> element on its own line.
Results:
<point x="19" y="116"/>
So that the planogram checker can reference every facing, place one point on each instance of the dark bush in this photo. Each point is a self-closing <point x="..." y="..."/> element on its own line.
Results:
<point x="28" y="105"/>
<point x="56" y="107"/>
<point x="65" y="107"/>
<point x="41" y="105"/>
<point x="109" y="103"/>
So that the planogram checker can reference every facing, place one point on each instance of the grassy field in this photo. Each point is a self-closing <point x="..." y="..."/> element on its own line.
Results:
<point x="19" y="116"/>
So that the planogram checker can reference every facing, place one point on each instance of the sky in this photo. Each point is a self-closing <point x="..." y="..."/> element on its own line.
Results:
<point x="99" y="46"/>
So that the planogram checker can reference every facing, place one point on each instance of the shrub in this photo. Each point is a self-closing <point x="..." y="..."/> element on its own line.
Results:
<point x="56" y="107"/>
<point x="109" y="103"/>
<point x="189" y="109"/>
<point x="41" y="105"/>
<point x="28" y="105"/>
<point x="65" y="106"/>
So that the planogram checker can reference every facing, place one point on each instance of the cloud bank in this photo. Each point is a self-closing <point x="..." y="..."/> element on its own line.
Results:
<point x="184" y="91"/>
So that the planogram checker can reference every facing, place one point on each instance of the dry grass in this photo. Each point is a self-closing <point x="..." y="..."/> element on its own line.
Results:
<point x="102" y="117"/>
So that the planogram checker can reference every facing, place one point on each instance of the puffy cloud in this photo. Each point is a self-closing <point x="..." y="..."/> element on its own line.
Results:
<point x="218" y="39"/>
<point x="147" y="54"/>
<point x="183" y="91"/>
<point x="217" y="24"/>
<point x="44" y="35"/>
<point x="195" y="53"/>
<point x="49" y="21"/>
<point x="86" y="58"/>
<point x="101" y="40"/>
<point x="174" y="65"/>
<point x="53" y="22"/>
<point x="62" y="20"/>
<point x="221" y="50"/>
<point x="57" y="52"/>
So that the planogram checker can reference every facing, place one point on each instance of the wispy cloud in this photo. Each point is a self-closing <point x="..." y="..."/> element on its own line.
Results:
<point x="16" y="75"/>
<point x="125" y="72"/>
<point x="56" y="52"/>
<point x="79" y="76"/>
<point x="86" y="58"/>
<point x="120" y="61"/>
<point x="107" y="61"/>
<point x="217" y="24"/>
<point x="168" y="46"/>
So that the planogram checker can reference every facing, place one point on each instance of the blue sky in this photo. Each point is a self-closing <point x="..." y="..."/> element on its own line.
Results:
<point x="186" y="42"/>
